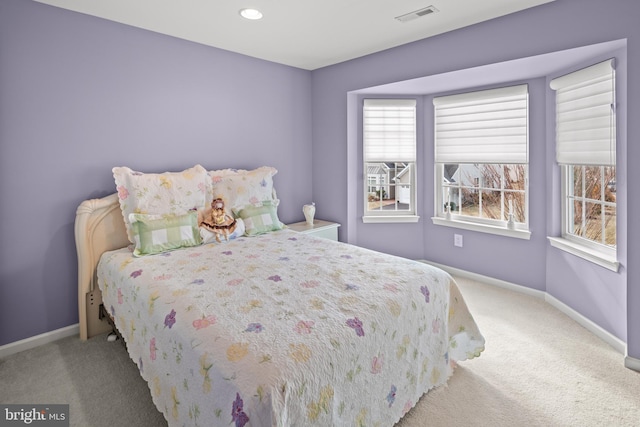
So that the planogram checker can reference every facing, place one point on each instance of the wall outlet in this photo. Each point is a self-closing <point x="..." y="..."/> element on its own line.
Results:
<point x="457" y="240"/>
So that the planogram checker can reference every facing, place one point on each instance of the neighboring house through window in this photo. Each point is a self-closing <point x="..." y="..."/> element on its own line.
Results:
<point x="481" y="161"/>
<point x="586" y="153"/>
<point x="389" y="152"/>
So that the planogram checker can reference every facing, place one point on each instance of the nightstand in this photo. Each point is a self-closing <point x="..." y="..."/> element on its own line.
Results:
<point x="320" y="228"/>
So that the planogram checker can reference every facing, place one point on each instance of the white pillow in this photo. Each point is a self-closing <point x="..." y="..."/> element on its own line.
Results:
<point x="169" y="193"/>
<point x="239" y="188"/>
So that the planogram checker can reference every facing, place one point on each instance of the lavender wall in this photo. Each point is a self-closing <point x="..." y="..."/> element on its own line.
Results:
<point x="598" y="294"/>
<point x="80" y="95"/>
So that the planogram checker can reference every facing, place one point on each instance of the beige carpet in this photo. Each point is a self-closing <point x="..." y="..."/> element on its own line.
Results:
<point x="540" y="368"/>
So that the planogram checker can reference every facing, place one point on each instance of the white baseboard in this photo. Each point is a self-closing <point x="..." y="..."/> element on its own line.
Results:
<point x="38" y="340"/>
<point x="606" y="336"/>
<point x="488" y="280"/>
<point x="589" y="325"/>
<point x="632" y="363"/>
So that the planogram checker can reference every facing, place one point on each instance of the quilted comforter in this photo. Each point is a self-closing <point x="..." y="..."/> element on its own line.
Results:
<point x="286" y="329"/>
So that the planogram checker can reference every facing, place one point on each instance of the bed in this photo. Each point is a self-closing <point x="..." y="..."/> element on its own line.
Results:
<point x="276" y="328"/>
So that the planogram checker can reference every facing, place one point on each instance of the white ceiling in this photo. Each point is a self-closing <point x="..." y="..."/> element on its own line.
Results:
<point x="307" y="34"/>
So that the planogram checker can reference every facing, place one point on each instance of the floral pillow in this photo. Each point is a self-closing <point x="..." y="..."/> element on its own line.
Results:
<point x="259" y="219"/>
<point x="153" y="234"/>
<point x="169" y="193"/>
<point x="238" y="187"/>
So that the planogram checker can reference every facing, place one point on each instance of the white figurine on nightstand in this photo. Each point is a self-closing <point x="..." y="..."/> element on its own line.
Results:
<point x="309" y="212"/>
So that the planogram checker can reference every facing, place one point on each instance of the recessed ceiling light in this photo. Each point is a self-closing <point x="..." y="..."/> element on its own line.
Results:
<point x="251" y="14"/>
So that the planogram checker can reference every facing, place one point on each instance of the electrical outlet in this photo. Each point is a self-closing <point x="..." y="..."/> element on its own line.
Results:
<point x="457" y="240"/>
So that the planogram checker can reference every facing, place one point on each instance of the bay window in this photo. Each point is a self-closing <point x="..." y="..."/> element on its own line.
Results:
<point x="481" y="160"/>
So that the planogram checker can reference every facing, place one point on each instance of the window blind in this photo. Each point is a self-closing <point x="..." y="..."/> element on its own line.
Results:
<point x="389" y="130"/>
<point x="585" y="116"/>
<point x="489" y="126"/>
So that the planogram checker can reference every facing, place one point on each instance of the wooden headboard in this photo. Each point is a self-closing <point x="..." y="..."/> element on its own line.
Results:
<point x="99" y="227"/>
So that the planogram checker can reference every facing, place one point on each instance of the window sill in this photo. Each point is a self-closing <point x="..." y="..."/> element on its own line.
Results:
<point x="389" y="218"/>
<point x="583" y="252"/>
<point x="482" y="228"/>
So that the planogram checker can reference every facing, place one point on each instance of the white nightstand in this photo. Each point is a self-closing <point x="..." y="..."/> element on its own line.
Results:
<point x="320" y="228"/>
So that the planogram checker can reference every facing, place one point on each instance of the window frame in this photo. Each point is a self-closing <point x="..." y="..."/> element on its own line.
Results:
<point x="485" y="225"/>
<point x="390" y="215"/>
<point x="598" y="253"/>
<point x="590" y="250"/>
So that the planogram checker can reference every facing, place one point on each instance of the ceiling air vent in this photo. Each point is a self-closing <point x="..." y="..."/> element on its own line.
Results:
<point x="417" y="14"/>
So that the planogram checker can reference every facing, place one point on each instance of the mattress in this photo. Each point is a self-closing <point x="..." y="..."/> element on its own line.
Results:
<point x="286" y="329"/>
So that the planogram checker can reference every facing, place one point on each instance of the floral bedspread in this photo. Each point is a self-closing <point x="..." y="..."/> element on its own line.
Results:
<point x="286" y="329"/>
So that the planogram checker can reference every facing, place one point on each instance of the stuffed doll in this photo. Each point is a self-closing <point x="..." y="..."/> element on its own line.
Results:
<point x="216" y="220"/>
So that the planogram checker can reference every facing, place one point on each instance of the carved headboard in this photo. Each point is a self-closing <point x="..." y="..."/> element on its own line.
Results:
<point x="99" y="227"/>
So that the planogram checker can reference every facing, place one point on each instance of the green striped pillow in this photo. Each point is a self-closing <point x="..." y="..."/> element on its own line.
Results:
<point x="259" y="219"/>
<point x="154" y="234"/>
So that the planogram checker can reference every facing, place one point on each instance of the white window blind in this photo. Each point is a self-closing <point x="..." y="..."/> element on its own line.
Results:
<point x="488" y="126"/>
<point x="585" y="116"/>
<point x="389" y="130"/>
